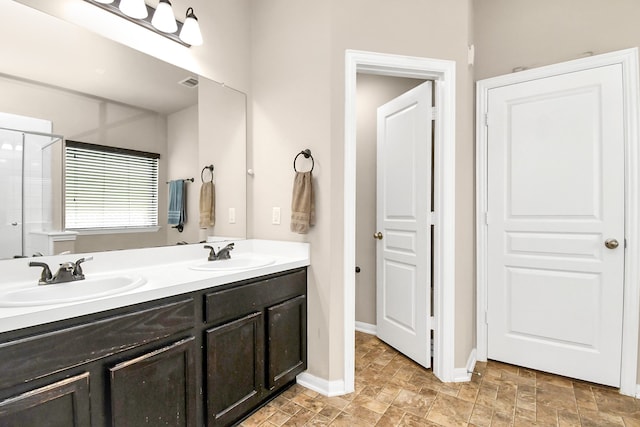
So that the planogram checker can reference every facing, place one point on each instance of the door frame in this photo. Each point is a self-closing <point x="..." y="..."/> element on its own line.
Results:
<point x="628" y="58"/>
<point x="443" y="74"/>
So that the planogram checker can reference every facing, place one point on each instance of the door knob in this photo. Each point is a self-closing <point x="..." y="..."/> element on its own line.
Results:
<point x="611" y="243"/>
<point x="377" y="235"/>
<point x="14" y="223"/>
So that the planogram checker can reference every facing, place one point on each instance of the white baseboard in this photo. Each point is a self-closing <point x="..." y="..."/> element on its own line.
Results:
<point x="367" y="328"/>
<point x="637" y="391"/>
<point x="322" y="386"/>
<point x="461" y="375"/>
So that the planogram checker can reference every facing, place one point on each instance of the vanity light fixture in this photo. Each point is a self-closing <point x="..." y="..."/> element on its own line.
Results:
<point x="160" y="20"/>
<point x="190" y="33"/>
<point x="136" y="9"/>
<point x="164" y="19"/>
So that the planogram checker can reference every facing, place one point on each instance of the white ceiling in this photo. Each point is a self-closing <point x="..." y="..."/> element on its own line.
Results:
<point x="41" y="48"/>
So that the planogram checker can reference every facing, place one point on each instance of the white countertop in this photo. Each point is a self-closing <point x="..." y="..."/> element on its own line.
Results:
<point x="166" y="270"/>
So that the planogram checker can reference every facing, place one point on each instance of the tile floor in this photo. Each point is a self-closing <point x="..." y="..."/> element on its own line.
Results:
<point x="391" y="390"/>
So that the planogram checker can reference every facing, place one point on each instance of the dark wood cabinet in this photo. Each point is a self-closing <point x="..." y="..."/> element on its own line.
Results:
<point x="209" y="357"/>
<point x="287" y="341"/>
<point x="63" y="403"/>
<point x="257" y="346"/>
<point x="235" y="368"/>
<point x="162" y="384"/>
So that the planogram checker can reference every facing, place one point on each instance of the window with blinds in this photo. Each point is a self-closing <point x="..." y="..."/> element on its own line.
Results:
<point x="109" y="187"/>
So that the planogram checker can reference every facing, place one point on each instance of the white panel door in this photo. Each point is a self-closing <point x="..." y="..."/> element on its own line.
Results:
<point x="403" y="304"/>
<point x="555" y="197"/>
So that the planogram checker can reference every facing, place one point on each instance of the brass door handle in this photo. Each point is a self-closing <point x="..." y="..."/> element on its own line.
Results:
<point x="611" y="243"/>
<point x="377" y="235"/>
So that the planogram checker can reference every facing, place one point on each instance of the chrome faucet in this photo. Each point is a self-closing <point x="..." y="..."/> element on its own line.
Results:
<point x="222" y="253"/>
<point x="68" y="272"/>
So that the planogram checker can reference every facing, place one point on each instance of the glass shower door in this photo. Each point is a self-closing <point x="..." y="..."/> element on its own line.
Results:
<point x="30" y="200"/>
<point x="11" y="213"/>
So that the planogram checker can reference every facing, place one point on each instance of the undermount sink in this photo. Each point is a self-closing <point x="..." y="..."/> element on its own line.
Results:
<point x="238" y="262"/>
<point x="81" y="290"/>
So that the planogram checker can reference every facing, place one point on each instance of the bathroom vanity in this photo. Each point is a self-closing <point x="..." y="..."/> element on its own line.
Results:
<point x="206" y="356"/>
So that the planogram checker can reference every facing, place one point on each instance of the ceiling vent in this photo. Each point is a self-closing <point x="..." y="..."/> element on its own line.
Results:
<point x="189" y="82"/>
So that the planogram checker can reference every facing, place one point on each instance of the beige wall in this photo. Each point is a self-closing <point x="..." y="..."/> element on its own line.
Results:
<point x="182" y="151"/>
<point x="298" y="102"/>
<point x="521" y="33"/>
<point x="372" y="92"/>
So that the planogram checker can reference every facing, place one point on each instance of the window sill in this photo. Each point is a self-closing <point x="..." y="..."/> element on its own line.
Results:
<point x="123" y="230"/>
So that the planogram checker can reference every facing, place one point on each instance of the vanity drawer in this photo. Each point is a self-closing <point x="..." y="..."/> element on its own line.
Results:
<point x="240" y="300"/>
<point x="25" y="359"/>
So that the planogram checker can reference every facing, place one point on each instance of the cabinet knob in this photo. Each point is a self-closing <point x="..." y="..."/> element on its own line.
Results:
<point x="377" y="235"/>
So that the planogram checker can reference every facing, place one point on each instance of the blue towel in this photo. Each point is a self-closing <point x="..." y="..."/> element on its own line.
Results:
<point x="177" y="203"/>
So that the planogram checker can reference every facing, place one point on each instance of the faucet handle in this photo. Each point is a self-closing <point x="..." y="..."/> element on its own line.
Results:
<point x="77" y="269"/>
<point x="212" y="252"/>
<point x="46" y="275"/>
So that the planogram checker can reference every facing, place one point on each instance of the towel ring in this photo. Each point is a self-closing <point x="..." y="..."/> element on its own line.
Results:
<point x="210" y="167"/>
<point x="307" y="154"/>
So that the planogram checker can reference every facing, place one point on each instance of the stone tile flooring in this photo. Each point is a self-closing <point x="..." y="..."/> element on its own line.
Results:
<point x="391" y="390"/>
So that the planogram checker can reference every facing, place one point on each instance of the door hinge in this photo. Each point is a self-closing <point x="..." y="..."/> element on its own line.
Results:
<point x="434" y="113"/>
<point x="431" y="321"/>
<point x="486" y="119"/>
<point x="486" y="318"/>
<point x="431" y="218"/>
<point x="486" y="218"/>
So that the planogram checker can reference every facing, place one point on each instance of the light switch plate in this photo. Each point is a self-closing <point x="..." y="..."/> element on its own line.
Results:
<point x="232" y="215"/>
<point x="275" y="216"/>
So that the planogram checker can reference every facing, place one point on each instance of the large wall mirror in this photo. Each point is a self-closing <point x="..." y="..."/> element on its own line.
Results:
<point x="76" y="85"/>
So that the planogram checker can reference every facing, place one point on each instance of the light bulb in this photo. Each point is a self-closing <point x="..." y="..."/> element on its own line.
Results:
<point x="163" y="18"/>
<point x="134" y="8"/>
<point x="190" y="32"/>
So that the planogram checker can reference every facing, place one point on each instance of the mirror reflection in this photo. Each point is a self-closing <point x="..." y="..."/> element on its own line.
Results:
<point x="66" y="83"/>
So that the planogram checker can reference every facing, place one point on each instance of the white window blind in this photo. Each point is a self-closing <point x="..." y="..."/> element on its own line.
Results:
<point x="110" y="188"/>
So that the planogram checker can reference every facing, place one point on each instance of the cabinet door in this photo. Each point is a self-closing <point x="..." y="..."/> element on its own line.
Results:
<point x="157" y="388"/>
<point x="61" y="404"/>
<point x="287" y="341"/>
<point x="235" y="368"/>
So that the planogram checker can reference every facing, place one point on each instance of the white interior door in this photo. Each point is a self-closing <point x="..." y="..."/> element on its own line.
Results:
<point x="403" y="304"/>
<point x="555" y="208"/>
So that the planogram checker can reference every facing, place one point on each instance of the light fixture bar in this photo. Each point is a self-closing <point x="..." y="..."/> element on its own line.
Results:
<point x="146" y="22"/>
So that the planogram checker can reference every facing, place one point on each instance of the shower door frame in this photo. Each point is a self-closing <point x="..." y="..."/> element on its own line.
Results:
<point x="54" y="137"/>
